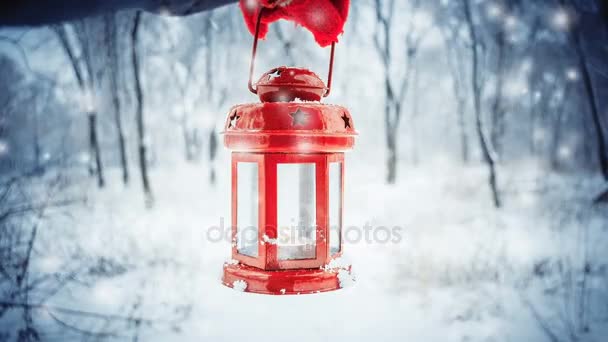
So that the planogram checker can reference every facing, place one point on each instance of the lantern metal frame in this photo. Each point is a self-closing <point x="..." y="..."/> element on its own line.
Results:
<point x="268" y="258"/>
<point x="272" y="133"/>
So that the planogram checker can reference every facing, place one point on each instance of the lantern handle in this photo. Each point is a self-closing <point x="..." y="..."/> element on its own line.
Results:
<point x="254" y="53"/>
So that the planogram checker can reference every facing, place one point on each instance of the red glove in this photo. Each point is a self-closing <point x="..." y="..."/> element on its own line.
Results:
<point x="324" y="18"/>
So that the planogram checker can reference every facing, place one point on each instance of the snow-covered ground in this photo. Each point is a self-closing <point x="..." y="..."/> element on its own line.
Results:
<point x="461" y="271"/>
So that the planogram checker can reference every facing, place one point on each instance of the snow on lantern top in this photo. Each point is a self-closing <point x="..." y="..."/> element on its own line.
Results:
<point x="285" y="84"/>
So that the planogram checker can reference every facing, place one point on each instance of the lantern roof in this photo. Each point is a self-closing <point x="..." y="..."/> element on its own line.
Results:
<point x="285" y="84"/>
<point x="289" y="127"/>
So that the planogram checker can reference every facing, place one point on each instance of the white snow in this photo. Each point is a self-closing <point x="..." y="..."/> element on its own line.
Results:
<point x="456" y="273"/>
<point x="268" y="240"/>
<point x="239" y="285"/>
<point x="336" y="263"/>
<point x="345" y="278"/>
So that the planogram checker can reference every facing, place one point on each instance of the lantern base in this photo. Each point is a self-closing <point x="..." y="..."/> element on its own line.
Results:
<point x="285" y="282"/>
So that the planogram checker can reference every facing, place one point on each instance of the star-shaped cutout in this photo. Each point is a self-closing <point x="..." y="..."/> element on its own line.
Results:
<point x="299" y="117"/>
<point x="233" y="118"/>
<point x="346" y="120"/>
<point x="276" y="73"/>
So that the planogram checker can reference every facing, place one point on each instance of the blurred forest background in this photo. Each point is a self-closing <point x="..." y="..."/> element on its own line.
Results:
<point x="111" y="159"/>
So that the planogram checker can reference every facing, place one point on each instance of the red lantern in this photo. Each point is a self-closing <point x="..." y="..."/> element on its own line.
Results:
<point x="287" y="185"/>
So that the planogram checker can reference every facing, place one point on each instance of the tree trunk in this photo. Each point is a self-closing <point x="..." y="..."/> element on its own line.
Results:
<point x="498" y="112"/>
<point x="604" y="13"/>
<point x="557" y="134"/>
<point x="462" y="126"/>
<point x="391" y="141"/>
<point x="139" y="114"/>
<point x="454" y="60"/>
<point x="212" y="155"/>
<point x="110" y="26"/>
<point x="487" y="152"/>
<point x="94" y="147"/>
<point x="121" y="145"/>
<point x="602" y="150"/>
<point x="391" y="161"/>
<point x="188" y="144"/>
<point x="382" y="43"/>
<point x="414" y="118"/>
<point x="38" y="168"/>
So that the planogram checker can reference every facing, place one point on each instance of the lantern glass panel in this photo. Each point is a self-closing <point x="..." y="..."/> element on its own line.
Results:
<point x="335" y="210"/>
<point x="247" y="209"/>
<point x="296" y="211"/>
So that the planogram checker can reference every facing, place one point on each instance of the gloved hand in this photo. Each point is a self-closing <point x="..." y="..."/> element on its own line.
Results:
<point x="324" y="18"/>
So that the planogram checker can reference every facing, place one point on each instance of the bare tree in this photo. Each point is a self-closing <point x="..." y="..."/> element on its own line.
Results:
<point x="111" y="44"/>
<point x="287" y="45"/>
<point x="139" y="111"/>
<point x="192" y="144"/>
<point x="213" y="146"/>
<point x="498" y="109"/>
<point x="489" y="155"/>
<point x="212" y="155"/>
<point x="558" y="126"/>
<point x="83" y="71"/>
<point x="456" y="61"/>
<point x="395" y="84"/>
<point x="576" y="36"/>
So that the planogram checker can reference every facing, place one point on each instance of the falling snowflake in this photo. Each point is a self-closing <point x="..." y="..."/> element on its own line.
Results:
<point x="560" y="19"/>
<point x="87" y="101"/>
<point x="3" y="148"/>
<point x="510" y="22"/>
<point x="564" y="152"/>
<point x="317" y="17"/>
<point x="165" y="11"/>
<point x="494" y="10"/>
<point x="251" y="4"/>
<point x="239" y="285"/>
<point x="84" y="158"/>
<point x="572" y="74"/>
<point x="515" y="87"/>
